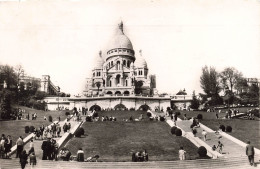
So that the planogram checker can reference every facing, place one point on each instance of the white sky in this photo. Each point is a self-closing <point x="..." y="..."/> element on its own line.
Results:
<point x="62" y="38"/>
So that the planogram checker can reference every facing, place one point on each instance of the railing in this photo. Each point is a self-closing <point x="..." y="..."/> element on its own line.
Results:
<point x="126" y="95"/>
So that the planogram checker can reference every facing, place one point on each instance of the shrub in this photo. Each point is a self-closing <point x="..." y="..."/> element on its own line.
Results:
<point x="229" y="129"/>
<point x="149" y="114"/>
<point x="67" y="113"/>
<point x="173" y="129"/>
<point x="88" y="118"/>
<point x="202" y="151"/>
<point x="199" y="116"/>
<point x="26" y="129"/>
<point x="77" y="133"/>
<point x="50" y="118"/>
<point x="32" y="129"/>
<point x="222" y="127"/>
<point x="162" y="118"/>
<point x="178" y="132"/>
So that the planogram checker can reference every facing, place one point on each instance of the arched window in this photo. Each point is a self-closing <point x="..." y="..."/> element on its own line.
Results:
<point x="110" y="83"/>
<point x="118" y="79"/>
<point x="111" y="63"/>
<point x="118" y="65"/>
<point x="125" y="82"/>
<point x="124" y="62"/>
<point x="128" y="63"/>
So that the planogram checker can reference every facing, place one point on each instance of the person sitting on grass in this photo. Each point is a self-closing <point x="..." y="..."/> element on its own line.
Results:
<point x="93" y="159"/>
<point x="80" y="155"/>
<point x="182" y="153"/>
<point x="145" y="155"/>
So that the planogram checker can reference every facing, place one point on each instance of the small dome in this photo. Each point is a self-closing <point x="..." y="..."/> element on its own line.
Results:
<point x="98" y="61"/>
<point x="120" y="40"/>
<point x="140" y="61"/>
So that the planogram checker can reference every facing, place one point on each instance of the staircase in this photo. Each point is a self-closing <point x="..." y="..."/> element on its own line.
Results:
<point x="231" y="163"/>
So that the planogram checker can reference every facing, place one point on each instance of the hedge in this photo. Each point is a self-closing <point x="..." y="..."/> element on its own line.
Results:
<point x="222" y="127"/>
<point x="178" y="132"/>
<point x="202" y="151"/>
<point x="32" y="128"/>
<point x="26" y="129"/>
<point x="229" y="129"/>
<point x="173" y="129"/>
<point x="199" y="116"/>
<point x="50" y="118"/>
<point x="79" y="132"/>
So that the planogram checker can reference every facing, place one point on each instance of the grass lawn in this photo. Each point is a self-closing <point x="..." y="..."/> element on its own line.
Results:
<point x="15" y="128"/>
<point x="115" y="141"/>
<point x="242" y="129"/>
<point x="211" y="115"/>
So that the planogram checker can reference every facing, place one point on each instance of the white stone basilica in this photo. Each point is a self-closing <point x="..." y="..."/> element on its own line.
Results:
<point x="119" y="71"/>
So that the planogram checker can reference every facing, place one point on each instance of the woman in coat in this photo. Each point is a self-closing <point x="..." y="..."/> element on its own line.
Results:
<point x="23" y="159"/>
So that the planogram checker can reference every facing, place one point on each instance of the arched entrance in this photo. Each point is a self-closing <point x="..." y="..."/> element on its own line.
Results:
<point x="120" y="107"/>
<point x="117" y="92"/>
<point x="144" y="107"/>
<point x="109" y="92"/>
<point x="95" y="107"/>
<point x="126" y="92"/>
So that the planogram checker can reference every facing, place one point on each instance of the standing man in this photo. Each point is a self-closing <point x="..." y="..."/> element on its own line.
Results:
<point x="250" y="152"/>
<point x="46" y="148"/>
<point x="182" y="153"/>
<point x="19" y="144"/>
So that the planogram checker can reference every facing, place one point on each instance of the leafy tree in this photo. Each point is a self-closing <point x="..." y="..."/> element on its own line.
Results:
<point x="209" y="82"/>
<point x="39" y="95"/>
<point x="195" y="102"/>
<point x="5" y="107"/>
<point x="8" y="75"/>
<point x="230" y="77"/>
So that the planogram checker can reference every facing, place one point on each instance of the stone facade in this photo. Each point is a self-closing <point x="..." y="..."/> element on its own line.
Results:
<point x="120" y="71"/>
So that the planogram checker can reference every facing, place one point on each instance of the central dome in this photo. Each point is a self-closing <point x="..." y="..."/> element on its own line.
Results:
<point x="120" y="40"/>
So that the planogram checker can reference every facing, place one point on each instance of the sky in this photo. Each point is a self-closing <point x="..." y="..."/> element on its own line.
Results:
<point x="177" y="38"/>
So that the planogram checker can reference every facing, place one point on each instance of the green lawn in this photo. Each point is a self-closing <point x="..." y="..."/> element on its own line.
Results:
<point x="15" y="128"/>
<point x="115" y="141"/>
<point x="242" y="129"/>
<point x="210" y="115"/>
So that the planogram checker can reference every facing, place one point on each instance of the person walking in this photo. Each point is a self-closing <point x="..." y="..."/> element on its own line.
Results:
<point x="46" y="148"/>
<point x="23" y="159"/>
<point x="204" y="134"/>
<point x="250" y="152"/>
<point x="31" y="147"/>
<point x="182" y="153"/>
<point x="220" y="146"/>
<point x="19" y="144"/>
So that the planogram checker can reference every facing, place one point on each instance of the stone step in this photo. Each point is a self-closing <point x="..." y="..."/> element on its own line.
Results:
<point x="236" y="162"/>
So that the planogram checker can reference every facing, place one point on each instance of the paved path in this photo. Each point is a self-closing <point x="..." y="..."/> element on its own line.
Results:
<point x="38" y="143"/>
<point x="230" y="149"/>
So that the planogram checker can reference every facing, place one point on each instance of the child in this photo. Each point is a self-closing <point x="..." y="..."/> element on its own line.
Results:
<point x="33" y="160"/>
<point x="182" y="153"/>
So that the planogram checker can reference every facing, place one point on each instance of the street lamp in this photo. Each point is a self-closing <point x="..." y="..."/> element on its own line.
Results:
<point x="58" y="98"/>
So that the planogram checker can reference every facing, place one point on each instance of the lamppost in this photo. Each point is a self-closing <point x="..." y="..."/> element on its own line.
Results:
<point x="58" y="98"/>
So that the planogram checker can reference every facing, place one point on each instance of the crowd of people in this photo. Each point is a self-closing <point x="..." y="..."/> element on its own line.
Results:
<point x="5" y="146"/>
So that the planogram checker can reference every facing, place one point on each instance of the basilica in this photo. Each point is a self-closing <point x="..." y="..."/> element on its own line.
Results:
<point x="120" y="70"/>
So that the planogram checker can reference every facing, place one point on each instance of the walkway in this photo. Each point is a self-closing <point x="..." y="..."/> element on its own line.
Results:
<point x="230" y="149"/>
<point x="38" y="143"/>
